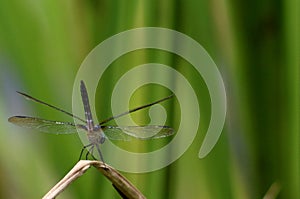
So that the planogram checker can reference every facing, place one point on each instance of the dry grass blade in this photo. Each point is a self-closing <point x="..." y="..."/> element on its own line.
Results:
<point x="123" y="186"/>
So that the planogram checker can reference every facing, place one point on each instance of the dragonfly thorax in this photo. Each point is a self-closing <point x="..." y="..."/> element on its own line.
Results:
<point x="96" y="136"/>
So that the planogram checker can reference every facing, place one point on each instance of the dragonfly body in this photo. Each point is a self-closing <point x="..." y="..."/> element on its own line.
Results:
<point x="96" y="134"/>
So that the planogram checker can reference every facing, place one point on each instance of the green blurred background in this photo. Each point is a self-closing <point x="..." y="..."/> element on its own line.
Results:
<point x="255" y="45"/>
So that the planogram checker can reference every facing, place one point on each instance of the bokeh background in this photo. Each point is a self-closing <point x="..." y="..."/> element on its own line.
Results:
<point x="255" y="45"/>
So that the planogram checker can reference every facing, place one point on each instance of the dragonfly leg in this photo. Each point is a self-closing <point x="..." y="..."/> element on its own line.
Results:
<point x="101" y="156"/>
<point x="83" y="148"/>
<point x="89" y="152"/>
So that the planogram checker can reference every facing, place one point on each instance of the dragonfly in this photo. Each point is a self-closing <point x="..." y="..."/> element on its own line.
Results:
<point x="96" y="133"/>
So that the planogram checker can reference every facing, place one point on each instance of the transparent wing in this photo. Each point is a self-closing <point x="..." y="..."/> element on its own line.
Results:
<point x="139" y="132"/>
<point x="44" y="125"/>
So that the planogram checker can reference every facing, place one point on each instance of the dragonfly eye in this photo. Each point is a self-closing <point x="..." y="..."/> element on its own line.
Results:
<point x="102" y="139"/>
